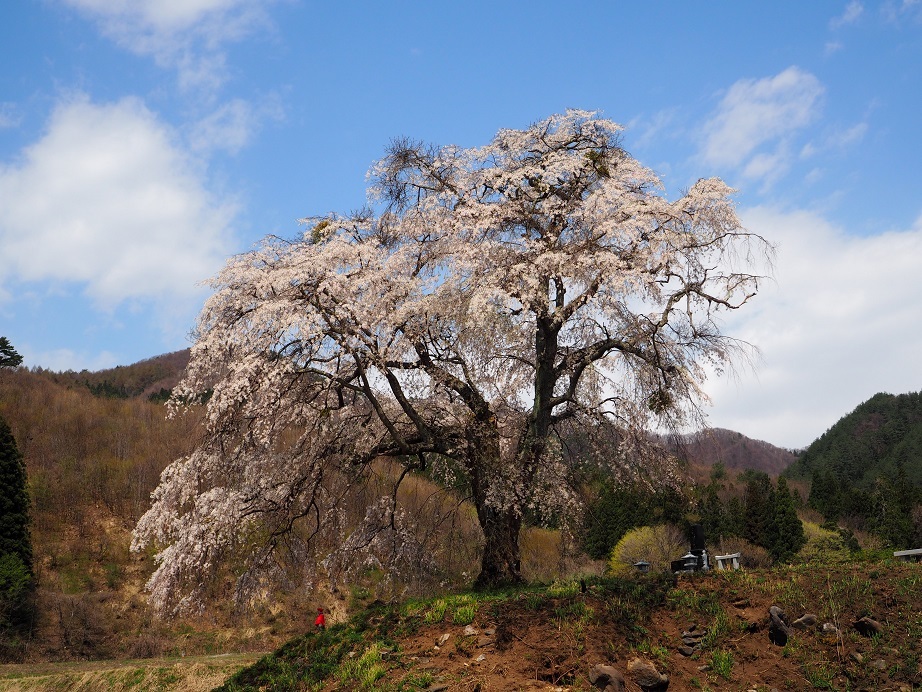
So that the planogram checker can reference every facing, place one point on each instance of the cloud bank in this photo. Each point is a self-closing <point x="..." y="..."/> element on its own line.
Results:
<point x="107" y="200"/>
<point x="840" y="324"/>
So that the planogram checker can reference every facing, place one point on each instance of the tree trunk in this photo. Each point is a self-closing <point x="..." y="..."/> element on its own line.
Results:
<point x="500" y="565"/>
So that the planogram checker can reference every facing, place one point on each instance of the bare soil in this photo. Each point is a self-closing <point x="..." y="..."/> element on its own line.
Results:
<point x="527" y="643"/>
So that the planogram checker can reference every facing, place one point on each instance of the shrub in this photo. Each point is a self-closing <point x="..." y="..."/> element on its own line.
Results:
<point x="752" y="556"/>
<point x="658" y="545"/>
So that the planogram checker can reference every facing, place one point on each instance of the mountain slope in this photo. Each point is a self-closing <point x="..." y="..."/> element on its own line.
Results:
<point x="152" y="377"/>
<point x="869" y="443"/>
<point x="732" y="449"/>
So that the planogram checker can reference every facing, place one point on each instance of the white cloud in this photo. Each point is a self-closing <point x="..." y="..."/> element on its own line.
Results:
<point x="107" y="200"/>
<point x="852" y="12"/>
<point x="840" y="324"/>
<point x="186" y="35"/>
<point x="902" y="11"/>
<point x="845" y="138"/>
<point x="231" y="125"/>
<point x="834" y="139"/>
<point x="756" y="119"/>
<point x="644" y="131"/>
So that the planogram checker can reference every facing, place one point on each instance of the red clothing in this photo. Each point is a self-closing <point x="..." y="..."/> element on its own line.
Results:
<point x="321" y="621"/>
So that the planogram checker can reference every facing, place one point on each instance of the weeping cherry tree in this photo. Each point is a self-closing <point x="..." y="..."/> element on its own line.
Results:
<point x="487" y="300"/>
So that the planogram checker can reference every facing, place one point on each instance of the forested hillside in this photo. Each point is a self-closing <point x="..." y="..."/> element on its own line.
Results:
<point x="732" y="449"/>
<point x="92" y="462"/>
<point x="866" y="470"/>
<point x="152" y="378"/>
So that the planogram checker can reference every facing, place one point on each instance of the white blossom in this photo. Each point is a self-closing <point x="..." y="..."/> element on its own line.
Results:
<point x="492" y="300"/>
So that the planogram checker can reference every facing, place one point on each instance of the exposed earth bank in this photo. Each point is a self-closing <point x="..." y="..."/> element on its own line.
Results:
<point x="850" y="626"/>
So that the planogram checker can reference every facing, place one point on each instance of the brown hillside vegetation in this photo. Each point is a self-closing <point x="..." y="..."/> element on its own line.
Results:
<point x="92" y="463"/>
<point x="865" y="633"/>
<point x="732" y="449"/>
<point x="142" y="379"/>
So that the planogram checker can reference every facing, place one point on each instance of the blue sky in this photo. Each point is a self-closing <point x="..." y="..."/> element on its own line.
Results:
<point x="144" y="141"/>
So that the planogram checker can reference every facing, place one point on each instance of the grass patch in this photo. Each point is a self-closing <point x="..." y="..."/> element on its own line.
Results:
<point x="722" y="663"/>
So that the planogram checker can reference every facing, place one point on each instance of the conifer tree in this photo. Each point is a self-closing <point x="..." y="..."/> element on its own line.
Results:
<point x="14" y="500"/>
<point x="757" y="501"/>
<point x="786" y="533"/>
<point x="8" y="356"/>
<point x="15" y="542"/>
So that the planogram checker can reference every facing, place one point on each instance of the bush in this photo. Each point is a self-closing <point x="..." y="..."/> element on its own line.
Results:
<point x="752" y="556"/>
<point x="828" y="543"/>
<point x="659" y="545"/>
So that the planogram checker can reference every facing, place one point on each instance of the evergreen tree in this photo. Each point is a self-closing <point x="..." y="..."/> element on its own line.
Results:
<point x="736" y="517"/>
<point x="14" y="500"/>
<point x="897" y="497"/>
<point x="617" y="510"/>
<point x="712" y="514"/>
<point x="786" y="532"/>
<point x="8" y="356"/>
<point x="757" y="503"/>
<point x="15" y="542"/>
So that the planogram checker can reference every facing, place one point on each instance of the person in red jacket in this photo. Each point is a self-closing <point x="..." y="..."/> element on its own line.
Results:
<point x="321" y="622"/>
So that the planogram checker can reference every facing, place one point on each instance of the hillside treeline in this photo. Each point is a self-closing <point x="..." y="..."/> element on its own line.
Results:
<point x="866" y="470"/>
<point x="751" y="512"/>
<point x="152" y="378"/>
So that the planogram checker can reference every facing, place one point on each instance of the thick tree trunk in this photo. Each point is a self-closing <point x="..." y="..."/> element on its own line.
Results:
<point x="500" y="565"/>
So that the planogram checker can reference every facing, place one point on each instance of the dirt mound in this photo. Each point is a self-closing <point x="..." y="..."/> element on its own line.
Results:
<point x="710" y="631"/>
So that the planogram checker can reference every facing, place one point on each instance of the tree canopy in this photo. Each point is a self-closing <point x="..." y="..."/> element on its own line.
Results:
<point x="9" y="358"/>
<point x="487" y="300"/>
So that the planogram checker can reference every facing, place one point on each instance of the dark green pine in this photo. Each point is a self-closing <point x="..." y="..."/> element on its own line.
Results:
<point x="14" y="500"/>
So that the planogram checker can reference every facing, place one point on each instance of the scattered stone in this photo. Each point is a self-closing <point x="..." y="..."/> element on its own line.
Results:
<point x="480" y="659"/>
<point x="444" y="638"/>
<point x="691" y="639"/>
<point x="805" y="622"/>
<point x="778" y="631"/>
<point x="740" y="602"/>
<point x="483" y="641"/>
<point x="868" y="627"/>
<point x="606" y="678"/>
<point x="646" y="675"/>
<point x="857" y="657"/>
<point x="470" y="631"/>
<point x="880" y="664"/>
<point x="437" y="687"/>
<point x="489" y="632"/>
<point x="694" y="634"/>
